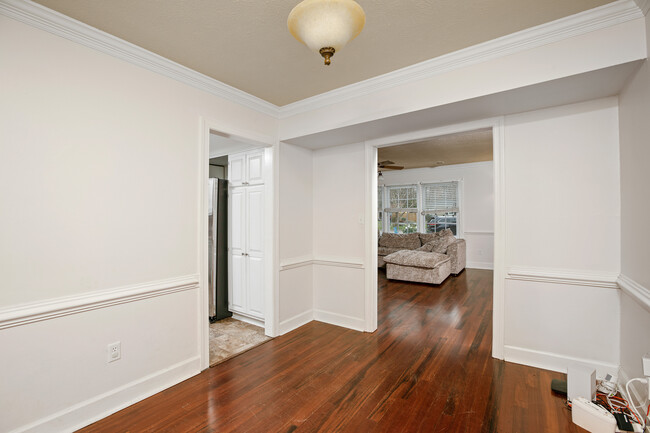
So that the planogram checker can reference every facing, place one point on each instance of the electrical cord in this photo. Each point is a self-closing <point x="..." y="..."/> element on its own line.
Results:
<point x="632" y="406"/>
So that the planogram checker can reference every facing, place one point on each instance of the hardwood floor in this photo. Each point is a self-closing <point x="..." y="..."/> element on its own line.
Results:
<point x="427" y="368"/>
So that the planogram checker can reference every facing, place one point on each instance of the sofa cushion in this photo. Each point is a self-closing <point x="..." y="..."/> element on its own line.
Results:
<point x="441" y="244"/>
<point x="428" y="247"/>
<point x="408" y="241"/>
<point x="420" y="259"/>
<point x="425" y="238"/>
<point x="384" y="251"/>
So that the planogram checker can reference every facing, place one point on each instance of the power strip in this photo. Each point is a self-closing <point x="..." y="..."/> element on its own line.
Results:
<point x="592" y="417"/>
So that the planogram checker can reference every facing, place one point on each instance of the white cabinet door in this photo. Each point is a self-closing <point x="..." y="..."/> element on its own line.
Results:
<point x="255" y="250"/>
<point x="237" y="286"/>
<point x="237" y="169"/>
<point x="237" y="290"/>
<point x="255" y="226"/>
<point x="255" y="168"/>
<point x="255" y="273"/>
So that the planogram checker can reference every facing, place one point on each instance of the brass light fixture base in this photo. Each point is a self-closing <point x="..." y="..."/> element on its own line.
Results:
<point x="327" y="53"/>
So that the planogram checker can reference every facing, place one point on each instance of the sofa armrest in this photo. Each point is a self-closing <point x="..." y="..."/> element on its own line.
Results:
<point x="457" y="254"/>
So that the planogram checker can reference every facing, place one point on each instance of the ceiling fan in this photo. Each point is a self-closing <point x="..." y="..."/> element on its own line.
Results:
<point x="388" y="165"/>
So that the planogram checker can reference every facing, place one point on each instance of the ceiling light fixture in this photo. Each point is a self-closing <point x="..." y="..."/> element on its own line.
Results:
<point x="325" y="26"/>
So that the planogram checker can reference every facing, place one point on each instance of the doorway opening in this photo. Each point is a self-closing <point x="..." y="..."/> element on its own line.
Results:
<point x="237" y="249"/>
<point x="429" y="184"/>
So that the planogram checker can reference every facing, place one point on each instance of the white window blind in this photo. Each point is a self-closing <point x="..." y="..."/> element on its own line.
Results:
<point x="440" y="198"/>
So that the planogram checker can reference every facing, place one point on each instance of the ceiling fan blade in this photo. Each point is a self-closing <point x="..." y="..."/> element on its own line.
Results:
<point x="393" y="167"/>
<point x="382" y="163"/>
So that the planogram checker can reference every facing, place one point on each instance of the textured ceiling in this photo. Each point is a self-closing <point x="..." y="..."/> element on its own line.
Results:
<point x="461" y="148"/>
<point x="246" y="43"/>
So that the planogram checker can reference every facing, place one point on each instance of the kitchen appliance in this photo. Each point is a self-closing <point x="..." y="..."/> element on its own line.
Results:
<point x="218" y="249"/>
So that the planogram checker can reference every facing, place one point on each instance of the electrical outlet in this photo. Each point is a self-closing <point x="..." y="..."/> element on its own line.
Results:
<point x="114" y="351"/>
<point x="646" y="364"/>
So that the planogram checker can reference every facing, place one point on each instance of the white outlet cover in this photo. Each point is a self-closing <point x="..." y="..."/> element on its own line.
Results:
<point x="114" y="351"/>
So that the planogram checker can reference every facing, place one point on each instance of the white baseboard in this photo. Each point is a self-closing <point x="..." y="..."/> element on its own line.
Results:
<point x="252" y="320"/>
<point x="480" y="265"/>
<point x="295" y="322"/>
<point x="340" y="320"/>
<point x="555" y="361"/>
<point x="96" y="408"/>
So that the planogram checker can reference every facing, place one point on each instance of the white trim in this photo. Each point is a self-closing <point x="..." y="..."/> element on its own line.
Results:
<point x="103" y="405"/>
<point x="564" y="276"/>
<point x="581" y="23"/>
<point x="644" y="5"/>
<point x="480" y="265"/>
<point x="50" y="309"/>
<point x="635" y="290"/>
<point x="370" y="273"/>
<point x="341" y="262"/>
<point x="296" y="262"/>
<point x="61" y="25"/>
<point x="500" y="233"/>
<point x="479" y="232"/>
<point x="342" y="320"/>
<point x="295" y="322"/>
<point x="248" y="319"/>
<point x="555" y="361"/>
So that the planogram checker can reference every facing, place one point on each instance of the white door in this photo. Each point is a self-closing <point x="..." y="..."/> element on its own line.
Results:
<point x="255" y="168"/>
<point x="237" y="292"/>
<point x="237" y="169"/>
<point x="255" y="250"/>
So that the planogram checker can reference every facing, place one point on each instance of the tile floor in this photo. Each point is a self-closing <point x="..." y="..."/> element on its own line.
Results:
<point x="230" y="337"/>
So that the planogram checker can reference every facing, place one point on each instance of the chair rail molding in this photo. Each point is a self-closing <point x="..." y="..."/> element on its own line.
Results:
<point x="345" y="262"/>
<point x="46" y="19"/>
<point x="635" y="290"/>
<point x="564" y="276"/>
<point x="50" y="309"/>
<point x="581" y="23"/>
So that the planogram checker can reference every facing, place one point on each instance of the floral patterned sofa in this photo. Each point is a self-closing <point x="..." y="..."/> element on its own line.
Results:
<point x="441" y="243"/>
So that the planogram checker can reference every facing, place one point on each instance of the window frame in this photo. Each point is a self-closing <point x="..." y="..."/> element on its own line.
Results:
<point x="421" y="223"/>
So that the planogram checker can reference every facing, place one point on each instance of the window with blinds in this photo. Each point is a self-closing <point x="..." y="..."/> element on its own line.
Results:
<point x="440" y="206"/>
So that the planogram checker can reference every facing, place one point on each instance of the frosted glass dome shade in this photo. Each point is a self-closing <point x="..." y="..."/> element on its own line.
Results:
<point x="324" y="24"/>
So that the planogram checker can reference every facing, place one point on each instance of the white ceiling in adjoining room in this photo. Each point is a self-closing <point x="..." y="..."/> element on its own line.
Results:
<point x="246" y="43"/>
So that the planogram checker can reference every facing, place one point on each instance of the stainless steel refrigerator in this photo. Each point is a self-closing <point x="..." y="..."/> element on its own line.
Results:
<point x="218" y="249"/>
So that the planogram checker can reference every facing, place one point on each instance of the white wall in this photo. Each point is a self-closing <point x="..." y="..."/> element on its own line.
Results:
<point x="635" y="208"/>
<point x="477" y="203"/>
<point x="563" y="236"/>
<point x="339" y="235"/>
<point x="99" y="185"/>
<point x="296" y="237"/>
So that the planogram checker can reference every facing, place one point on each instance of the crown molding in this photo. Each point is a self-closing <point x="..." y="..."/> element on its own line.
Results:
<point x="644" y="5"/>
<point x="61" y="25"/>
<point x="574" y="25"/>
